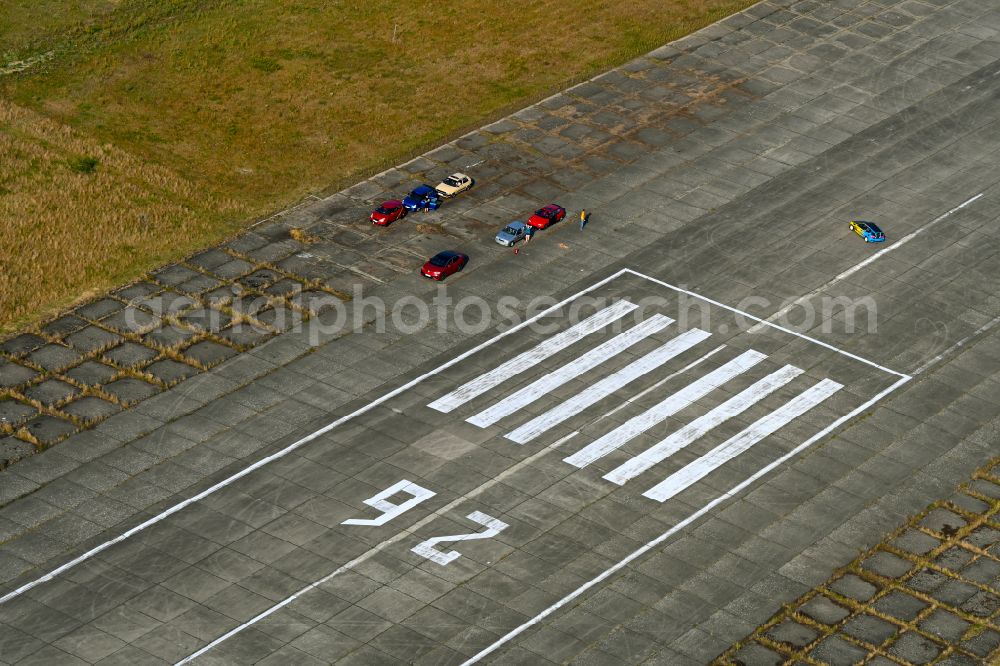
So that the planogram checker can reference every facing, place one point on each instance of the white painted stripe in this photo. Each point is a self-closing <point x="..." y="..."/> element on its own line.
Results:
<point x="857" y="267"/>
<point x="958" y="345"/>
<point x="296" y="444"/>
<point x="736" y="405"/>
<point x="747" y="315"/>
<point x="607" y="386"/>
<point x="530" y="358"/>
<point x="562" y="440"/>
<point x="666" y="408"/>
<point x="553" y="380"/>
<point x="694" y="516"/>
<point x="641" y="394"/>
<point x="740" y="443"/>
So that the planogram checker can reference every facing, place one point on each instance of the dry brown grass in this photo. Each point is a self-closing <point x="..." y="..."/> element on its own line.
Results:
<point x="246" y="106"/>
<point x="66" y="233"/>
<point x="303" y="236"/>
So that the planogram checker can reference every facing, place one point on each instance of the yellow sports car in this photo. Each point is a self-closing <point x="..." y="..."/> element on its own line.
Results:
<point x="868" y="230"/>
<point x="453" y="184"/>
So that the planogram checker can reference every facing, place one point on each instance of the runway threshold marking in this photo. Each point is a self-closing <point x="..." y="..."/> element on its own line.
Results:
<point x="532" y="357"/>
<point x="693" y="431"/>
<point x="742" y="442"/>
<point x="674" y="346"/>
<point x="639" y="552"/>
<point x="632" y="399"/>
<point x="579" y="365"/>
<point x="664" y="409"/>
<point x="607" y="386"/>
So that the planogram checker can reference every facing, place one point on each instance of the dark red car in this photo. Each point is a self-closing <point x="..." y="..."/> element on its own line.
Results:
<point x="443" y="264"/>
<point x="388" y="212"/>
<point x="550" y="214"/>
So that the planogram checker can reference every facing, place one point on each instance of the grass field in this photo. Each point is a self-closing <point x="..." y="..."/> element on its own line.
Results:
<point x="140" y="130"/>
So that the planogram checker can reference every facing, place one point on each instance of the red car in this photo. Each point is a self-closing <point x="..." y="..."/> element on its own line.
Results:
<point x="443" y="264"/>
<point x="388" y="212"/>
<point x="543" y="217"/>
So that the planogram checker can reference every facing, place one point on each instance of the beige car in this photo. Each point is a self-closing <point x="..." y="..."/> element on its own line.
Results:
<point x="453" y="184"/>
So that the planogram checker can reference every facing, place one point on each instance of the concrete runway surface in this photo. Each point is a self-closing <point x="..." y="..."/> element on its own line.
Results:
<point x="697" y="408"/>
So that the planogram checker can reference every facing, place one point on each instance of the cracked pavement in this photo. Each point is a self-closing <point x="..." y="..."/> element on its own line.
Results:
<point x="725" y="165"/>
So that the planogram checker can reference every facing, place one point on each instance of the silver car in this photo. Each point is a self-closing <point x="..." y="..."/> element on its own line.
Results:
<point x="512" y="233"/>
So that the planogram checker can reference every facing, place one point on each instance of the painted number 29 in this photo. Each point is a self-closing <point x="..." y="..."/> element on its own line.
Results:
<point x="417" y="495"/>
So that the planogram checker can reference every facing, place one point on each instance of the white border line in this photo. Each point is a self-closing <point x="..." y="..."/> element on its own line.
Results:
<point x="767" y="323"/>
<point x="958" y="345"/>
<point x="295" y="445"/>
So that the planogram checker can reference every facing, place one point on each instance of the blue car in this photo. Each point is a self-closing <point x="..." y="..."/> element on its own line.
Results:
<point x="868" y="230"/>
<point x="423" y="197"/>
